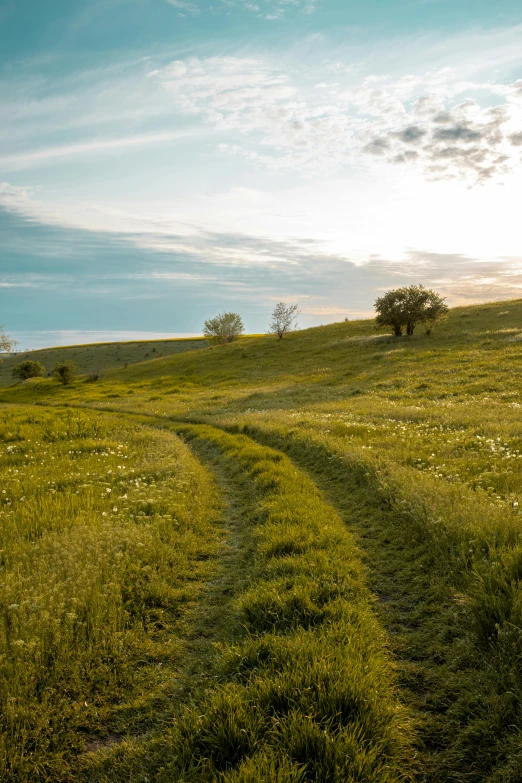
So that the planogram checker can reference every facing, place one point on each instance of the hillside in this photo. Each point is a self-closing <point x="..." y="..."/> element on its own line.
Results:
<point x="474" y="352"/>
<point x="309" y="552"/>
<point x="99" y="356"/>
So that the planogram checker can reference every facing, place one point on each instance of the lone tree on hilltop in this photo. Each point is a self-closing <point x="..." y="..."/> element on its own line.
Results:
<point x="284" y="319"/>
<point x="65" y="372"/>
<point x="224" y="328"/>
<point x="6" y="343"/>
<point x="406" y="307"/>
<point x="28" y="369"/>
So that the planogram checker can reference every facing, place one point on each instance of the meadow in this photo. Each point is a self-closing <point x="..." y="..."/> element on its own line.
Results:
<point x="341" y="595"/>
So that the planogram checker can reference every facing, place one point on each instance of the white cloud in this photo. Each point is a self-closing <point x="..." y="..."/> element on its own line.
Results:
<point x="269" y="9"/>
<point x="27" y="159"/>
<point x="184" y="5"/>
<point x="427" y="121"/>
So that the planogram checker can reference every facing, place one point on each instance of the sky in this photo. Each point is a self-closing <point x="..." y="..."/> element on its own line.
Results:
<point x="162" y="161"/>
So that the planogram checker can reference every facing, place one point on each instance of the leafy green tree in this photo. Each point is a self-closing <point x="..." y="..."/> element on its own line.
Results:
<point x="28" y="369"/>
<point x="284" y="319"/>
<point x="406" y="307"/>
<point x="224" y="328"/>
<point x="65" y="372"/>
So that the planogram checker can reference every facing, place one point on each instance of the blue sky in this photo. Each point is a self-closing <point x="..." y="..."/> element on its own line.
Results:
<point x="164" y="160"/>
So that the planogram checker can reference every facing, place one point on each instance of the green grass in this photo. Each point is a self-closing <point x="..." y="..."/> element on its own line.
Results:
<point x="415" y="445"/>
<point x="108" y="534"/>
<point x="307" y="689"/>
<point x="445" y="565"/>
<point x="99" y="356"/>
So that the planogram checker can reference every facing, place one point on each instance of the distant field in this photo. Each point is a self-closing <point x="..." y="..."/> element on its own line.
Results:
<point x="332" y="567"/>
<point x="100" y="356"/>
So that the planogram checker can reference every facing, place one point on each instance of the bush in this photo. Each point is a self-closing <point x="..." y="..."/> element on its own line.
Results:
<point x="224" y="328"/>
<point x="284" y="319"/>
<point x="65" y="372"/>
<point x="28" y="369"/>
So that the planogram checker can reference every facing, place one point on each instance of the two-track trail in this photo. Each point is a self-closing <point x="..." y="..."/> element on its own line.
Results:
<point x="314" y="635"/>
<point x="303" y="687"/>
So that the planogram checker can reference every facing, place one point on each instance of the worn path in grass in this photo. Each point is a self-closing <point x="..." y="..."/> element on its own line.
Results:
<point x="452" y="693"/>
<point x="449" y="691"/>
<point x="303" y="687"/>
<point x="416" y="613"/>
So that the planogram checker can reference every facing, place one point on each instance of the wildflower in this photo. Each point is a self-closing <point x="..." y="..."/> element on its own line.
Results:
<point x="104" y="513"/>
<point x="108" y="491"/>
<point x="115" y="509"/>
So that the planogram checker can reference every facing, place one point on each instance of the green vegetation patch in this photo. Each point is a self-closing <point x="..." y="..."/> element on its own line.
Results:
<point x="108" y="535"/>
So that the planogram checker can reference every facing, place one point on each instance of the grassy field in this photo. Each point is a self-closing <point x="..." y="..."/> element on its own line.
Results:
<point x="99" y="356"/>
<point x="360" y="497"/>
<point x="109" y="533"/>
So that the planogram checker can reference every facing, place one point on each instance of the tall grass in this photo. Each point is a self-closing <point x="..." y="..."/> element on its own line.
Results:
<point x="107" y="536"/>
<point x="307" y="691"/>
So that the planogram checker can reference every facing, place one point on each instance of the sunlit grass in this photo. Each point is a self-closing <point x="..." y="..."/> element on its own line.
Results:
<point x="307" y="691"/>
<point x="107" y="533"/>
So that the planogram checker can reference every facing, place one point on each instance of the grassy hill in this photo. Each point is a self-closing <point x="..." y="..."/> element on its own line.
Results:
<point x="99" y="356"/>
<point x="328" y="571"/>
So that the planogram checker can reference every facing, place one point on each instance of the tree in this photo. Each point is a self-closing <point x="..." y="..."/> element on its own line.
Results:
<point x="65" y="372"/>
<point x="284" y="319"/>
<point x="406" y="307"/>
<point x="224" y="328"/>
<point x="6" y="343"/>
<point x="28" y="369"/>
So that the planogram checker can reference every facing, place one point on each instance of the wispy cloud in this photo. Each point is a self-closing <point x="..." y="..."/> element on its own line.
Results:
<point x="185" y="6"/>
<point x="313" y="117"/>
<point x="208" y="271"/>
<point x="27" y="159"/>
<point x="269" y="9"/>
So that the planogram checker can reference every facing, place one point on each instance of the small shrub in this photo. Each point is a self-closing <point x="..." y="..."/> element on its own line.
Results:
<point x="224" y="328"/>
<point x="284" y="319"/>
<point x="28" y="369"/>
<point x="94" y="375"/>
<point x="65" y="372"/>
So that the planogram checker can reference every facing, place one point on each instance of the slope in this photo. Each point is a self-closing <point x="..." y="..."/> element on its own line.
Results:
<point x="99" y="356"/>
